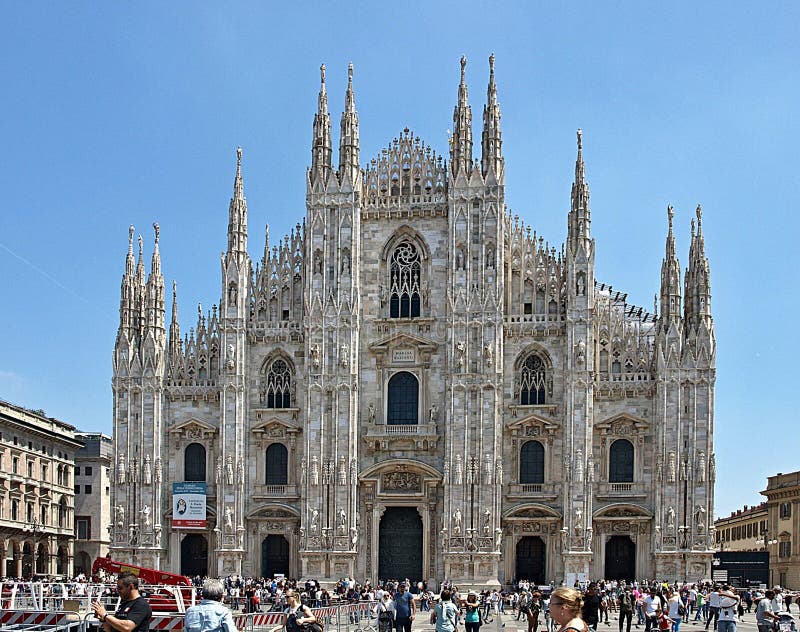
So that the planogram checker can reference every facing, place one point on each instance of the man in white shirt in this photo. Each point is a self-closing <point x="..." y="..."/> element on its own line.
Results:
<point x="764" y="613"/>
<point x="777" y="600"/>
<point x="728" y="605"/>
<point x="713" y="607"/>
<point x="652" y="606"/>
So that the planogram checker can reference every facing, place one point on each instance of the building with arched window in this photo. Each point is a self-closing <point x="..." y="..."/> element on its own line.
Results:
<point x="415" y="382"/>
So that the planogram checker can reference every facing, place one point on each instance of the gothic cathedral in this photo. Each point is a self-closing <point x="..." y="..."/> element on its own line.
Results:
<point x="413" y="384"/>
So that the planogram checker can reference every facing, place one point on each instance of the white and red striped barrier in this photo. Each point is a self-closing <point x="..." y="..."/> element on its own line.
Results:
<point x="33" y="617"/>
<point x="159" y="622"/>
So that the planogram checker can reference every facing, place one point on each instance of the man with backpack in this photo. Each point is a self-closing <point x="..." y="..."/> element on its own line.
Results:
<point x="626" y="602"/>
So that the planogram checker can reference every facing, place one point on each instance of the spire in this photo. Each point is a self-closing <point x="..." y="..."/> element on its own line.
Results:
<point x="348" y="140"/>
<point x="237" y="212"/>
<point x="461" y="141"/>
<point x="174" y="326"/>
<point x="580" y="219"/>
<point x="697" y="281"/>
<point x="321" y="144"/>
<point x="140" y="263"/>
<point x="155" y="261"/>
<point x="492" y="141"/>
<point x="670" y="279"/>
<point x="155" y="287"/>
<point x="127" y="299"/>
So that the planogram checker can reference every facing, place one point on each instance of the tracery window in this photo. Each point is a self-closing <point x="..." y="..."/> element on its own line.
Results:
<point x="533" y="381"/>
<point x="278" y="385"/>
<point x="277" y="464"/>
<point x="194" y="462"/>
<point x="531" y="463"/>
<point x="404" y="282"/>
<point x="402" y="399"/>
<point x="620" y="462"/>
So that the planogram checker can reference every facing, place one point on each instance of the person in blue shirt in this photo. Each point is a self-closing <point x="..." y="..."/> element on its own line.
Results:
<point x="404" y="609"/>
<point x="210" y="615"/>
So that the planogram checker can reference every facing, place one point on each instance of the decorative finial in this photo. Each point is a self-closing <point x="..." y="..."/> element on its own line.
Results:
<point x="322" y="74"/>
<point x="580" y="138"/>
<point x="491" y="64"/>
<point x="463" y="66"/>
<point x="131" y="230"/>
<point x="350" y="74"/>
<point x="239" y="157"/>
<point x="157" y="229"/>
<point x="174" y="290"/>
<point x="699" y="213"/>
<point x="692" y="227"/>
<point x="670" y="215"/>
<point x="141" y="245"/>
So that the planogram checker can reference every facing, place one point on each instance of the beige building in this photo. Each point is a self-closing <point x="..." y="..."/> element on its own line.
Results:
<point x="783" y="529"/>
<point x="743" y="530"/>
<point x="36" y="493"/>
<point x="93" y="464"/>
<point x="414" y="383"/>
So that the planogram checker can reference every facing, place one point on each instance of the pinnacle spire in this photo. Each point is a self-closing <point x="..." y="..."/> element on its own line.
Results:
<point x="670" y="278"/>
<point x="155" y="262"/>
<point x="580" y="217"/>
<point x="492" y="141"/>
<point x="348" y="139"/>
<point x="321" y="144"/>
<point x="128" y="309"/>
<point x="174" y="326"/>
<point x="461" y="141"/>
<point x="140" y="262"/>
<point x="129" y="262"/>
<point x="237" y="212"/>
<point x="697" y="280"/>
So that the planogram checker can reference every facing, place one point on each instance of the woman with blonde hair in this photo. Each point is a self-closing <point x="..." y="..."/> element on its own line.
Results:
<point x="296" y="615"/>
<point x="565" y="610"/>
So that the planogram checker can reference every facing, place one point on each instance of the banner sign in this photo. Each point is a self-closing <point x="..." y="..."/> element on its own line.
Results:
<point x="189" y="505"/>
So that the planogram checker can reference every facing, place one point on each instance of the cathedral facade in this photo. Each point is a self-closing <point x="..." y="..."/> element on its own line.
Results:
<point x="414" y="384"/>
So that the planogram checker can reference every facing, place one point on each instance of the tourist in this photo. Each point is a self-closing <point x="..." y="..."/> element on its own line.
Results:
<point x="445" y="614"/>
<point x="472" y="613"/>
<point x="764" y="613"/>
<point x="565" y="609"/>
<point x="591" y="606"/>
<point x="133" y="613"/>
<point x="296" y="614"/>
<point x="675" y="610"/>
<point x="728" y="604"/>
<point x="626" y="602"/>
<point x="210" y="614"/>
<point x="405" y="609"/>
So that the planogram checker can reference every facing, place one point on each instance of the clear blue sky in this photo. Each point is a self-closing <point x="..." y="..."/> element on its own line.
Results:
<point x="117" y="112"/>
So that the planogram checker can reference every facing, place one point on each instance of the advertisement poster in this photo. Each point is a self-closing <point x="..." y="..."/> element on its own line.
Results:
<point x="189" y="505"/>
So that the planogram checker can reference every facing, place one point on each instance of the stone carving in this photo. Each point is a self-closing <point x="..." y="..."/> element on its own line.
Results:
<point x="354" y="536"/>
<point x="446" y="473"/>
<point x="461" y="348"/>
<point x="147" y="473"/>
<point x="433" y="413"/>
<point x="344" y="355"/>
<point x="342" y="471"/>
<point x="578" y="465"/>
<point x="341" y="521"/>
<point x="121" y="469"/>
<point x="671" y="470"/>
<point x="660" y="468"/>
<point x="700" y="518"/>
<point x="354" y="471"/>
<point x="684" y="468"/>
<point x="327" y="471"/>
<point x="157" y="474"/>
<point x="670" y="518"/>
<point x="590" y="468"/>
<point x="487" y="519"/>
<point x="229" y="470"/>
<point x="580" y="285"/>
<point x="119" y="516"/>
<point x="457" y="522"/>
<point x="580" y="353"/>
<point x="701" y="467"/>
<point x="145" y="511"/>
<point x="228" y="517"/>
<point x="314" y="471"/>
<point x="157" y="535"/>
<point x="401" y="481"/>
<point x="498" y="538"/>
<point x="240" y="472"/>
<point x="219" y="470"/>
<point x="498" y="472"/>
<point x="578" y="518"/>
<point x="314" y="351"/>
<point x="133" y="535"/>
<point x="470" y="471"/>
<point x="133" y="471"/>
<point x="488" y="354"/>
<point x="458" y="472"/>
<point x="371" y="413"/>
<point x="712" y="468"/>
<point x="567" y="466"/>
<point x="231" y="350"/>
<point x="314" y="524"/>
<point x="488" y="469"/>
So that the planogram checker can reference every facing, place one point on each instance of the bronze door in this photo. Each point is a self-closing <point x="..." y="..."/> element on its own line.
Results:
<point x="620" y="558"/>
<point x="194" y="555"/>
<point x="531" y="560"/>
<point x="400" y="544"/>
<point x="274" y="556"/>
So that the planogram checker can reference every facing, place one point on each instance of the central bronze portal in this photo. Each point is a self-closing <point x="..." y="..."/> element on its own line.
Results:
<point x="400" y="544"/>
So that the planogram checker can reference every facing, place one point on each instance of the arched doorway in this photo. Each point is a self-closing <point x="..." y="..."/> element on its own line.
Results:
<point x="400" y="544"/>
<point x="83" y="563"/>
<point x="531" y="560"/>
<point x="42" y="555"/>
<point x="620" y="558"/>
<point x="62" y="563"/>
<point x="274" y="556"/>
<point x="27" y="560"/>
<point x="194" y="555"/>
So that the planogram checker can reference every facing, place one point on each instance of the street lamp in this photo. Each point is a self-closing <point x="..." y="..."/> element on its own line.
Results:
<point x="34" y="528"/>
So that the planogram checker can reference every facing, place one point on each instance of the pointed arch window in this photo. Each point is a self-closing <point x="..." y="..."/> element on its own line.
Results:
<point x="194" y="462"/>
<point x="620" y="462"/>
<point x="278" y="385"/>
<point x="403" y="399"/>
<point x="277" y="464"/>
<point x="404" y="282"/>
<point x="531" y="463"/>
<point x="533" y="380"/>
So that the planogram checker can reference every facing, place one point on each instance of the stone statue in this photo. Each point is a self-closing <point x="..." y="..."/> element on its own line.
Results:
<point x="157" y="535"/>
<point x="700" y="517"/>
<point x="671" y="471"/>
<point x="498" y="538"/>
<point x="219" y="469"/>
<point x="580" y="353"/>
<point x="498" y="472"/>
<point x="458" y="472"/>
<point x="240" y="472"/>
<point x="433" y="413"/>
<point x="229" y="470"/>
<point x="121" y="469"/>
<point x="579" y="517"/>
<point x="683" y="470"/>
<point x="341" y="519"/>
<point x="314" y="351"/>
<point x="231" y="357"/>
<point x="701" y="467"/>
<point x="119" y="515"/>
<point x="314" y="517"/>
<point x="228" y="517"/>
<point x="344" y="355"/>
<point x="303" y="470"/>
<point x="147" y="473"/>
<point x="581" y="285"/>
<point x="564" y="539"/>
<point x="487" y="519"/>
<point x="371" y="413"/>
<point x="446" y="473"/>
<point x="342" y="471"/>
<point x="457" y="522"/>
<point x="461" y="348"/>
<point x="443" y="534"/>
<point x="659" y="469"/>
<point x="712" y="467"/>
<point x="132" y="535"/>
<point x="579" y="465"/>
<point x="314" y="471"/>
<point x="488" y="353"/>
<point x="670" y="518"/>
<point x="590" y="468"/>
<point x="354" y="536"/>
<point x="145" y="511"/>
<point x="157" y="475"/>
<point x="489" y="256"/>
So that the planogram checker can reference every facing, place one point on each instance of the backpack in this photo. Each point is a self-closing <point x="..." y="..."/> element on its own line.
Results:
<point x="625" y="604"/>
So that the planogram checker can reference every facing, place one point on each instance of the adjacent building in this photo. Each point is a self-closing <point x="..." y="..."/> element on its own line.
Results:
<point x="414" y="383"/>
<point x="743" y="530"/>
<point x="36" y="493"/>
<point x="782" y="534"/>
<point x="93" y="463"/>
